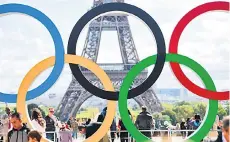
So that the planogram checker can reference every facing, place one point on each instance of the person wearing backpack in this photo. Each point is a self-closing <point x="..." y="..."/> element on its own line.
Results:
<point x="144" y="122"/>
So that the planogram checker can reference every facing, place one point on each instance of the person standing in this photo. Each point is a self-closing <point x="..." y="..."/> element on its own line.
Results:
<point x="144" y="122"/>
<point x="188" y="127"/>
<point x="195" y="123"/>
<point x="20" y="131"/>
<point x="90" y="129"/>
<point x="113" y="131"/>
<point x="183" y="128"/>
<point x="38" y="122"/>
<point x="51" y="123"/>
<point x="5" y="123"/>
<point x="113" y="127"/>
<point x="70" y="119"/>
<point x="65" y="134"/>
<point x="124" y="135"/>
<point x="74" y="126"/>
<point x="224" y="136"/>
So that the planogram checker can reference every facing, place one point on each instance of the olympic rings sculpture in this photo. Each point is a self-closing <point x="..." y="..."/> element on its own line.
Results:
<point x="124" y="94"/>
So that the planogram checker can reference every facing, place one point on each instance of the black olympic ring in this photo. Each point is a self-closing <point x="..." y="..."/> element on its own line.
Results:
<point x="161" y="49"/>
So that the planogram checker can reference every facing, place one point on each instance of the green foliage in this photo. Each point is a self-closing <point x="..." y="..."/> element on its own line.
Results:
<point x="184" y="111"/>
<point x="15" y="109"/>
<point x="166" y="118"/>
<point x="83" y="109"/>
<point x="200" y="108"/>
<point x="135" y="107"/>
<point x="227" y="109"/>
<point x="221" y="112"/>
<point x="45" y="109"/>
<point x="2" y="111"/>
<point x="167" y="106"/>
<point x="182" y="103"/>
<point x="157" y="116"/>
<point x="171" y="114"/>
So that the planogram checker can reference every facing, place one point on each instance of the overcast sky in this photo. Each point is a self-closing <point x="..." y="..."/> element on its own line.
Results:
<point x="24" y="41"/>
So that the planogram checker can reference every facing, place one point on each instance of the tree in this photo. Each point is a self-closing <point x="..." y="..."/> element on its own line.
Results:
<point x="158" y="119"/>
<point x="221" y="112"/>
<point x="200" y="108"/>
<point x="184" y="111"/>
<point x="227" y="108"/>
<point x="30" y="108"/>
<point x="167" y="106"/>
<point x="2" y="111"/>
<point x="83" y="109"/>
<point x="166" y="118"/>
<point x="157" y="116"/>
<point x="171" y="114"/>
<point x="135" y="107"/>
<point x="182" y="103"/>
<point x="15" y="109"/>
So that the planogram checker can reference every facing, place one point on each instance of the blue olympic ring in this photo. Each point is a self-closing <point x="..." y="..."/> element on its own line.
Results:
<point x="59" y="50"/>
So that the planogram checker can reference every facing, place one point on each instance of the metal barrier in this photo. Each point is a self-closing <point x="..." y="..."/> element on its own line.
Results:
<point x="155" y="135"/>
<point x="168" y="134"/>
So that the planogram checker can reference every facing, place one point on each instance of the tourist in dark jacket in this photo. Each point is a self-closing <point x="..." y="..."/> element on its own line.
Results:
<point x="144" y="122"/>
<point x="20" y="131"/>
<point x="183" y="128"/>
<point x="91" y="129"/>
<point x="188" y="127"/>
<point x="225" y="134"/>
<point x="113" y="128"/>
<point x="51" y="123"/>
<point x="124" y="135"/>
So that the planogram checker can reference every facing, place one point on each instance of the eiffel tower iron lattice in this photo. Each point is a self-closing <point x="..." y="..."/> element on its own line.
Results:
<point x="76" y="95"/>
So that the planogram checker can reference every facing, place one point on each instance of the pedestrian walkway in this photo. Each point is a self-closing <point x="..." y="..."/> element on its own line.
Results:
<point x="155" y="139"/>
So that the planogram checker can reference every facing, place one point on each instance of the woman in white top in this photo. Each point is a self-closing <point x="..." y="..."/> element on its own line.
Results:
<point x="38" y="122"/>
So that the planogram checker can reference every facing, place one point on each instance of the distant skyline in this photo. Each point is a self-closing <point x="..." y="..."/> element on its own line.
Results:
<point x="24" y="41"/>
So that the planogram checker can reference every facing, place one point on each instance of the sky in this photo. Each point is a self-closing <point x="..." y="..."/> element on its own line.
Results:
<point x="24" y="41"/>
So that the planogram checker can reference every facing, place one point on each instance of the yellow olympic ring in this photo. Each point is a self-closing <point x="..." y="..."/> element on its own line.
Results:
<point x="40" y="67"/>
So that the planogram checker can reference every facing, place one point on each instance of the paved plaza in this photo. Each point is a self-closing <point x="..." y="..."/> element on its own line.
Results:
<point x="155" y="139"/>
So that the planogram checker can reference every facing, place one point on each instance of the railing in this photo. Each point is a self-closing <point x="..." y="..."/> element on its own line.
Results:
<point x="156" y="135"/>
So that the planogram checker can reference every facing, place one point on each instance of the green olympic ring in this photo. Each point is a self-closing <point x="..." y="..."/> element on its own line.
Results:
<point x="210" y="117"/>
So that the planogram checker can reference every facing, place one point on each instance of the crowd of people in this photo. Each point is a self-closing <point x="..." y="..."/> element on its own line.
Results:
<point x="12" y="129"/>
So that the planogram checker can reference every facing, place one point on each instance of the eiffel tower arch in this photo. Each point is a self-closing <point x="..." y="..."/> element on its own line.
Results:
<point x="76" y="95"/>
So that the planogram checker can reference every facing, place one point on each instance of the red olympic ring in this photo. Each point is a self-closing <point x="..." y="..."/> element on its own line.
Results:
<point x="173" y="48"/>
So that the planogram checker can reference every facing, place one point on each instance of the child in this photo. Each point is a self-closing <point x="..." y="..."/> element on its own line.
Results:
<point x="34" y="136"/>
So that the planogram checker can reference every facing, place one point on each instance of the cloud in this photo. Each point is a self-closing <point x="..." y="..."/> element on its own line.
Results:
<point x="1" y="33"/>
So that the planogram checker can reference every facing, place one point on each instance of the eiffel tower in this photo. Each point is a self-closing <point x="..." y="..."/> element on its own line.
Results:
<point x="76" y="95"/>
